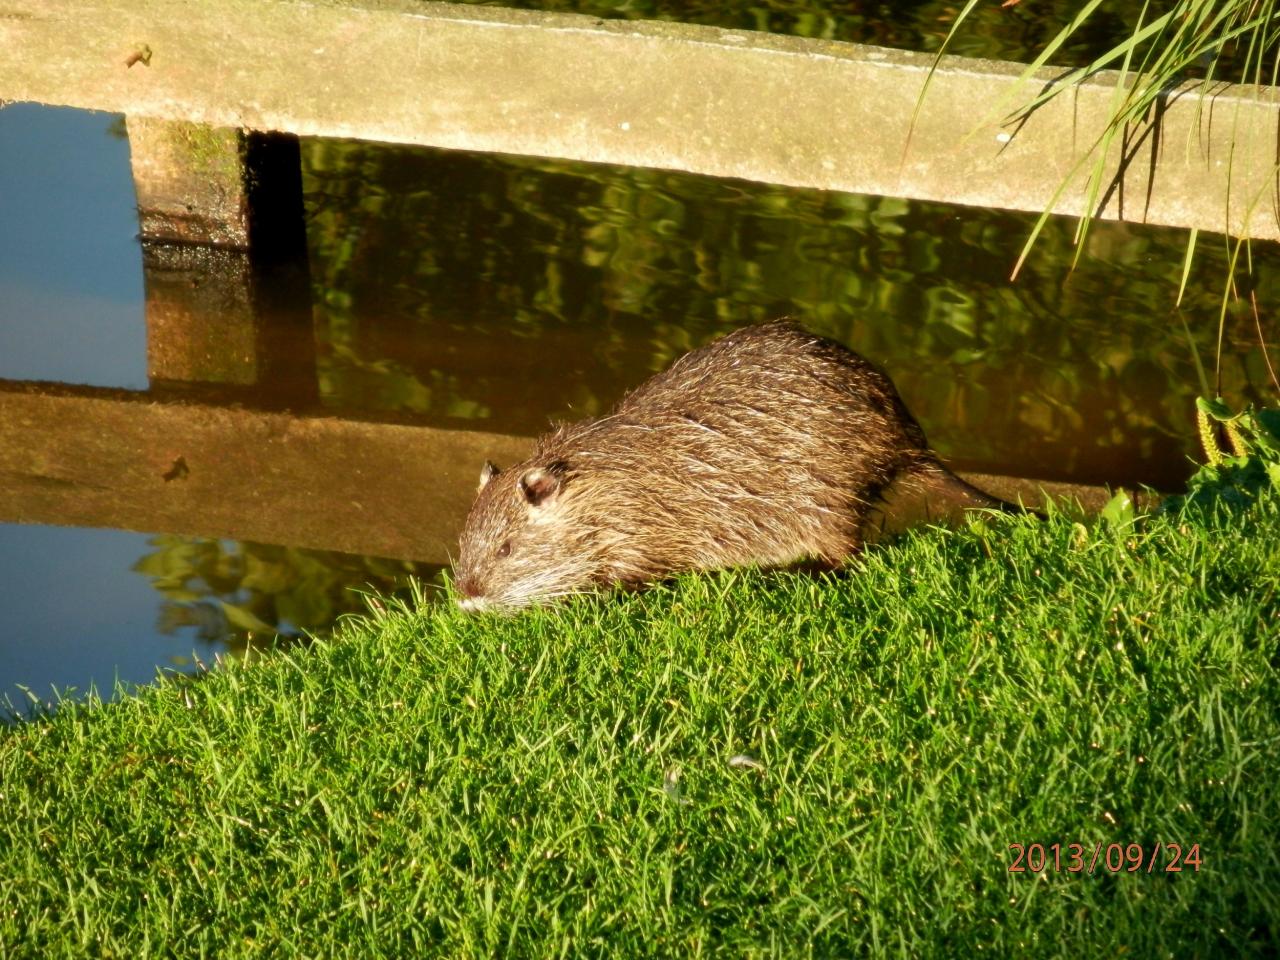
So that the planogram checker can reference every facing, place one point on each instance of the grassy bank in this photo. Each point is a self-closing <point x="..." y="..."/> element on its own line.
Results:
<point x="739" y="764"/>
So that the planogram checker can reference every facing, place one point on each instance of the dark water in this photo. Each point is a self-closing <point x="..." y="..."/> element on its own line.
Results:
<point x="495" y="293"/>
<point x="996" y="30"/>
<point x="501" y="292"/>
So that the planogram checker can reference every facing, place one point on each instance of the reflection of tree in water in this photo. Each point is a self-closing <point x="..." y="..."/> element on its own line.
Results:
<point x="235" y="592"/>
<point x="503" y="291"/>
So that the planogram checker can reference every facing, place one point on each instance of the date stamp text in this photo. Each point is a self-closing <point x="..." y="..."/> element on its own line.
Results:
<point x="1102" y="857"/>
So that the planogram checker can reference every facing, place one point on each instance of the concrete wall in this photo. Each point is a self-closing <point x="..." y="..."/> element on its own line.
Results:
<point x="727" y="103"/>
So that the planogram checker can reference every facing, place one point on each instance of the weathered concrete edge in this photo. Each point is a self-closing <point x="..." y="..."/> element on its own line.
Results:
<point x="699" y="99"/>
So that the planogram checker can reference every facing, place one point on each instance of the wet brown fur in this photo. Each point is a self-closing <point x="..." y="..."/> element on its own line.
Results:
<point x="767" y="447"/>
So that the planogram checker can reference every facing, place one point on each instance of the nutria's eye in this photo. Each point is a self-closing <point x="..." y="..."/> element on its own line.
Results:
<point x="505" y="549"/>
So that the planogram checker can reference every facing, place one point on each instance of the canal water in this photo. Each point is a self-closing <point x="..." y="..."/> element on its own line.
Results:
<point x="497" y="293"/>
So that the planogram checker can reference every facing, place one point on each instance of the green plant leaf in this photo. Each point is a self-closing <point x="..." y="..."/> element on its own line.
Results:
<point x="1215" y="408"/>
<point x="1269" y="421"/>
<point x="1186" y="264"/>
<point x="933" y="67"/>
<point x="1119" y="510"/>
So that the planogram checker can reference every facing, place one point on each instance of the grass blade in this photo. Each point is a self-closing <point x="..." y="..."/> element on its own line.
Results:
<point x="1186" y="264"/>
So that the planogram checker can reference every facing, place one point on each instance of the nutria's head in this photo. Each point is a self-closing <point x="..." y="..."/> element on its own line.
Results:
<point x="521" y="542"/>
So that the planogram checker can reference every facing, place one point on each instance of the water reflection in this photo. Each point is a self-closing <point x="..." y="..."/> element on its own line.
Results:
<point x="70" y="283"/>
<point x="1008" y="31"/>
<point x="82" y="611"/>
<point x="502" y="292"/>
<point x="236" y="592"/>
<point x="76" y="616"/>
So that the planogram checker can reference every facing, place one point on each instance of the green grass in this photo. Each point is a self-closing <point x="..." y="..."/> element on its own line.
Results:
<point x="570" y="782"/>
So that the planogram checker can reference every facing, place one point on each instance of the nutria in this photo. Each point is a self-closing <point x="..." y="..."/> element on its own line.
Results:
<point x="768" y="447"/>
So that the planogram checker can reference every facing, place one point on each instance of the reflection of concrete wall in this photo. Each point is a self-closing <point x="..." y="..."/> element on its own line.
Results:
<point x="728" y="103"/>
<point x="189" y="181"/>
<point x="224" y="259"/>
<point x="81" y="456"/>
<point x="201" y="325"/>
<point x="108" y="458"/>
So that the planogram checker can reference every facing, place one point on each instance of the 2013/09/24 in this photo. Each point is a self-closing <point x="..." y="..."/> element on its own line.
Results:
<point x="1111" y="857"/>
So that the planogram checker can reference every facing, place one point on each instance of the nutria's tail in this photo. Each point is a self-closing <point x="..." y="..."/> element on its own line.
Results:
<point x="928" y="492"/>
<point x="944" y="486"/>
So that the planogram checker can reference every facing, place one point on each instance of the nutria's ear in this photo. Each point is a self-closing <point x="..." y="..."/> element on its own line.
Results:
<point x="540" y="485"/>
<point x="486" y="474"/>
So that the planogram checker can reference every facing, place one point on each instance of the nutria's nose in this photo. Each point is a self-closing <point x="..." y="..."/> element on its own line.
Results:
<point x="470" y="599"/>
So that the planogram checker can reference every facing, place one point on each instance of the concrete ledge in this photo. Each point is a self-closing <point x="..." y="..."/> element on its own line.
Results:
<point x="727" y="103"/>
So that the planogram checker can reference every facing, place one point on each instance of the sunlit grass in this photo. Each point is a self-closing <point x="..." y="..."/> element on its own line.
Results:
<point x="738" y="764"/>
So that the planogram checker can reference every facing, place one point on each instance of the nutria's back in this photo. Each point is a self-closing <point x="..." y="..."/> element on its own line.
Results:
<point x="766" y="447"/>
